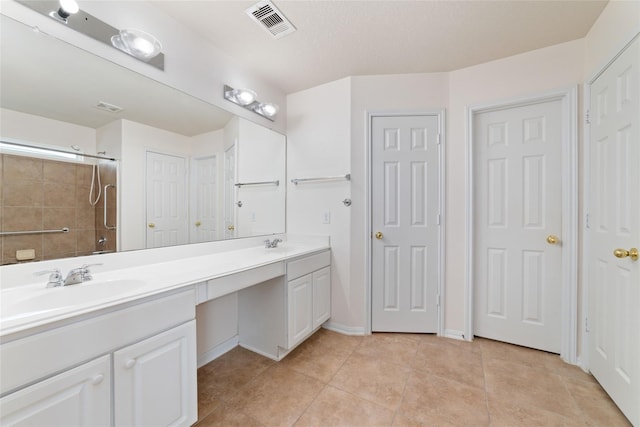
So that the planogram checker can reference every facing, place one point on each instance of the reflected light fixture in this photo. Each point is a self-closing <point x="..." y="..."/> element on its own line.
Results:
<point x="240" y="96"/>
<point x="247" y="98"/>
<point x="66" y="9"/>
<point x="137" y="43"/>
<point x="266" y="109"/>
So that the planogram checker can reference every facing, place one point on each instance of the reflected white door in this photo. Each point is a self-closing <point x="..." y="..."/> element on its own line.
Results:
<point x="614" y="223"/>
<point x="166" y="200"/>
<point x="517" y="213"/>
<point x="230" y="192"/>
<point x="204" y="196"/>
<point x="405" y="209"/>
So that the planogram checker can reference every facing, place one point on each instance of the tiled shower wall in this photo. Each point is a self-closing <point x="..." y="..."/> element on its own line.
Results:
<point x="38" y="194"/>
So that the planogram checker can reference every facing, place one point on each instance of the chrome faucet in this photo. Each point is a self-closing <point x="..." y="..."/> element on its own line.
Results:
<point x="55" y="277"/>
<point x="79" y="275"/>
<point x="75" y="276"/>
<point x="272" y="244"/>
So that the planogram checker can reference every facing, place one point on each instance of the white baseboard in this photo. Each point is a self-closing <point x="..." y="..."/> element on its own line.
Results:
<point x="217" y="351"/>
<point x="453" y="334"/>
<point x="345" y="330"/>
<point x="262" y="353"/>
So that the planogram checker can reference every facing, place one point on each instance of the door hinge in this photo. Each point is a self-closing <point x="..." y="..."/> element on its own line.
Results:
<point x="439" y="219"/>
<point x="586" y="324"/>
<point x="587" y="117"/>
<point x="586" y="221"/>
<point x="439" y="138"/>
<point x="438" y="301"/>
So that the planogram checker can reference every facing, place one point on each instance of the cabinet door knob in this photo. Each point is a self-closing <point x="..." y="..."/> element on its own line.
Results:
<point x="129" y="364"/>
<point x="97" y="379"/>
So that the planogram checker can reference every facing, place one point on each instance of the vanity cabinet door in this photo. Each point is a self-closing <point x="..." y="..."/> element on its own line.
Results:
<point x="155" y="380"/>
<point x="321" y="296"/>
<point x="78" y="397"/>
<point x="300" y="312"/>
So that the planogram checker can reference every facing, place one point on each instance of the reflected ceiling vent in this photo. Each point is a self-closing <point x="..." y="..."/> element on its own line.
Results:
<point x="267" y="15"/>
<point x="108" y="107"/>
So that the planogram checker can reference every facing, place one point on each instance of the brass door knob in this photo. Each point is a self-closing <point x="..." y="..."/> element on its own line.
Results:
<point x="231" y="228"/>
<point x="151" y="225"/>
<point x="198" y="223"/>
<point x="379" y="235"/>
<point x="552" y="240"/>
<point x="622" y="253"/>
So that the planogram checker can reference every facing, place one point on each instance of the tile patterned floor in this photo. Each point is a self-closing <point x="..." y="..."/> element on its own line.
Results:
<point x="400" y="380"/>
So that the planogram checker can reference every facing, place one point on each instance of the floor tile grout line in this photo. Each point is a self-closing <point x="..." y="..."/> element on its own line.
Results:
<point x="484" y="380"/>
<point x="326" y="384"/>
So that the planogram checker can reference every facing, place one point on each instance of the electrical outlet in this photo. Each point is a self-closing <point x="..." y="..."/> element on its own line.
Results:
<point x="326" y="217"/>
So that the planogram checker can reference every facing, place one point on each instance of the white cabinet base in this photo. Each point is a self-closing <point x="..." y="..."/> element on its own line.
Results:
<point x="78" y="397"/>
<point x="155" y="380"/>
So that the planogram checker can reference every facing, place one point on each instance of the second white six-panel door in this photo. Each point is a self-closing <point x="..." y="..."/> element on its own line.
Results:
<point x="405" y="210"/>
<point x="517" y="275"/>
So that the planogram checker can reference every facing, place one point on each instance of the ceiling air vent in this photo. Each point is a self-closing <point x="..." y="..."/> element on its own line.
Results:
<point x="108" y="107"/>
<point x="267" y="15"/>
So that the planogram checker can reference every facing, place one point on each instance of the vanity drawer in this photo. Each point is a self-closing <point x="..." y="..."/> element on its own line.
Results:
<point x="225" y="285"/>
<point x="37" y="356"/>
<point x="309" y="264"/>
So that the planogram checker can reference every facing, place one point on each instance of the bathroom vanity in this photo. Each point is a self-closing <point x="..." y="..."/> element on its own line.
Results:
<point x="120" y="349"/>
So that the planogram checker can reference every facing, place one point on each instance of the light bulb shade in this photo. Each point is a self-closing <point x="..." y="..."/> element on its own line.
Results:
<point x="137" y="43"/>
<point x="241" y="96"/>
<point x="267" y="109"/>
<point x="67" y="8"/>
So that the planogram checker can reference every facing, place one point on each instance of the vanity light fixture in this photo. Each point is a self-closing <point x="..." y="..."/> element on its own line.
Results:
<point x="247" y="98"/>
<point x="137" y="43"/>
<point x="66" y="9"/>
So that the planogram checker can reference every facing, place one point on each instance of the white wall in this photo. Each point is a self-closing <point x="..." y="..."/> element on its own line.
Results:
<point x="319" y="144"/>
<point x="615" y="26"/>
<point x="192" y="64"/>
<point x="260" y="157"/>
<point x="40" y="130"/>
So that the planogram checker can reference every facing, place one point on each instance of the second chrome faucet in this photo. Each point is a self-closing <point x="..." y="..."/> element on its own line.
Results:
<point x="272" y="244"/>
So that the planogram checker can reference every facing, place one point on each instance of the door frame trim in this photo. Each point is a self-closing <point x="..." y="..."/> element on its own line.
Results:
<point x="569" y="316"/>
<point x="440" y="113"/>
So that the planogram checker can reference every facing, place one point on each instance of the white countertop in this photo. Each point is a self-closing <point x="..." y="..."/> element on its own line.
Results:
<point x="31" y="304"/>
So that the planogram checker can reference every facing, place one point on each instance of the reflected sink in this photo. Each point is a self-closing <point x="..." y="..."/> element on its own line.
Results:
<point x="29" y="302"/>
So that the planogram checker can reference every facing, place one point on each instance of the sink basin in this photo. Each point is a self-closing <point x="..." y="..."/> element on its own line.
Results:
<point x="22" y="304"/>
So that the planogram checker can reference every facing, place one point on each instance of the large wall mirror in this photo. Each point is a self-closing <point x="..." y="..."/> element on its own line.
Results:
<point x="97" y="158"/>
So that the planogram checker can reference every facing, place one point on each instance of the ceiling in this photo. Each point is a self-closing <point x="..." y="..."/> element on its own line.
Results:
<point x="336" y="39"/>
<point x="36" y="78"/>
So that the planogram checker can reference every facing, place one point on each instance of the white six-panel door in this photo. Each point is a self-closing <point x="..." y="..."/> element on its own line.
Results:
<point x="166" y="200"/>
<point x="204" y="200"/>
<point x="517" y="275"/>
<point x="614" y="223"/>
<point x="405" y="156"/>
